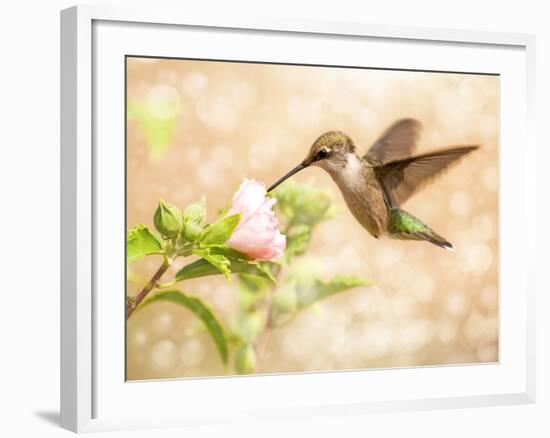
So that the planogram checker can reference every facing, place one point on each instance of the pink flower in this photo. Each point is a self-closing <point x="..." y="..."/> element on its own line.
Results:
<point x="256" y="235"/>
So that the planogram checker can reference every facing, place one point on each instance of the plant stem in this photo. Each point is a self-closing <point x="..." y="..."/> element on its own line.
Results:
<point x="262" y="346"/>
<point x="134" y="303"/>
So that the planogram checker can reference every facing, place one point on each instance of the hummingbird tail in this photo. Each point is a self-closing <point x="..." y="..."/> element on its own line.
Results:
<point x="436" y="239"/>
<point x="405" y="226"/>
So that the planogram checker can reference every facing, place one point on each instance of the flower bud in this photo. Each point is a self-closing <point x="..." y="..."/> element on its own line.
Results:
<point x="195" y="212"/>
<point x="191" y="231"/>
<point x="194" y="218"/>
<point x="168" y="220"/>
<point x="245" y="360"/>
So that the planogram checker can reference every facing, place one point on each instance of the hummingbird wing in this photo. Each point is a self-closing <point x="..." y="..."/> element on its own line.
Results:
<point x="396" y="143"/>
<point x="401" y="179"/>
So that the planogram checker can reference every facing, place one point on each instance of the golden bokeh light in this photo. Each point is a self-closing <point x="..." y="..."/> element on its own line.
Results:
<point x="222" y="122"/>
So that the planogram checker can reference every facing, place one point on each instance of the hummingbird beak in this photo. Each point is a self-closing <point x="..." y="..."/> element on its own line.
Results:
<point x="288" y="175"/>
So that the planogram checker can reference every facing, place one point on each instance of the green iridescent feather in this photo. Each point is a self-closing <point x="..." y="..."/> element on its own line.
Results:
<point x="403" y="222"/>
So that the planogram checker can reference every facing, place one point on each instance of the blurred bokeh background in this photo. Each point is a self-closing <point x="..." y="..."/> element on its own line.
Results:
<point x="197" y="128"/>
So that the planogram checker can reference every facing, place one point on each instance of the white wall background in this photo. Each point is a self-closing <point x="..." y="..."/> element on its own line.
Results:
<point x="29" y="187"/>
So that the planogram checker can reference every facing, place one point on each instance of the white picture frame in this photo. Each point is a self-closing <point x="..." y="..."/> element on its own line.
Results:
<point x="93" y="39"/>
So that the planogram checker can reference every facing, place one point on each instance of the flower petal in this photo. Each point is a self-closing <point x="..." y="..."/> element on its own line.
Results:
<point x="256" y="235"/>
<point x="248" y="199"/>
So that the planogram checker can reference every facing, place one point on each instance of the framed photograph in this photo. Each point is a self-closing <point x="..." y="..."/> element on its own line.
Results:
<point x="286" y="219"/>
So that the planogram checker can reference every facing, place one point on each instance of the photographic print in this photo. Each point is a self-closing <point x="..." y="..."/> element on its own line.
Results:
<point x="298" y="218"/>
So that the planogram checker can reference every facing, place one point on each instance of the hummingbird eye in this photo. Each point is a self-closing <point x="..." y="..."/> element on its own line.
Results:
<point x="323" y="153"/>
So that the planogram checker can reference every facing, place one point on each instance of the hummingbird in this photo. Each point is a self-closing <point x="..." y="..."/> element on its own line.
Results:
<point x="375" y="185"/>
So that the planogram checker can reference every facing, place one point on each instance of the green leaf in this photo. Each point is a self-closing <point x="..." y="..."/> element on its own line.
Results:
<point x="251" y="268"/>
<point x="219" y="261"/>
<point x="253" y="284"/>
<point x="203" y="268"/>
<point x="197" y="269"/>
<point x="220" y="231"/>
<point x="158" y="132"/>
<point x="141" y="242"/>
<point x="168" y="220"/>
<point x="202" y="311"/>
<point x="297" y="241"/>
<point x="318" y="289"/>
<point x="237" y="264"/>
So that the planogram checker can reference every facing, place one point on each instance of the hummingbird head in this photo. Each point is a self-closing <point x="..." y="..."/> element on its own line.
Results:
<point x="329" y="152"/>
